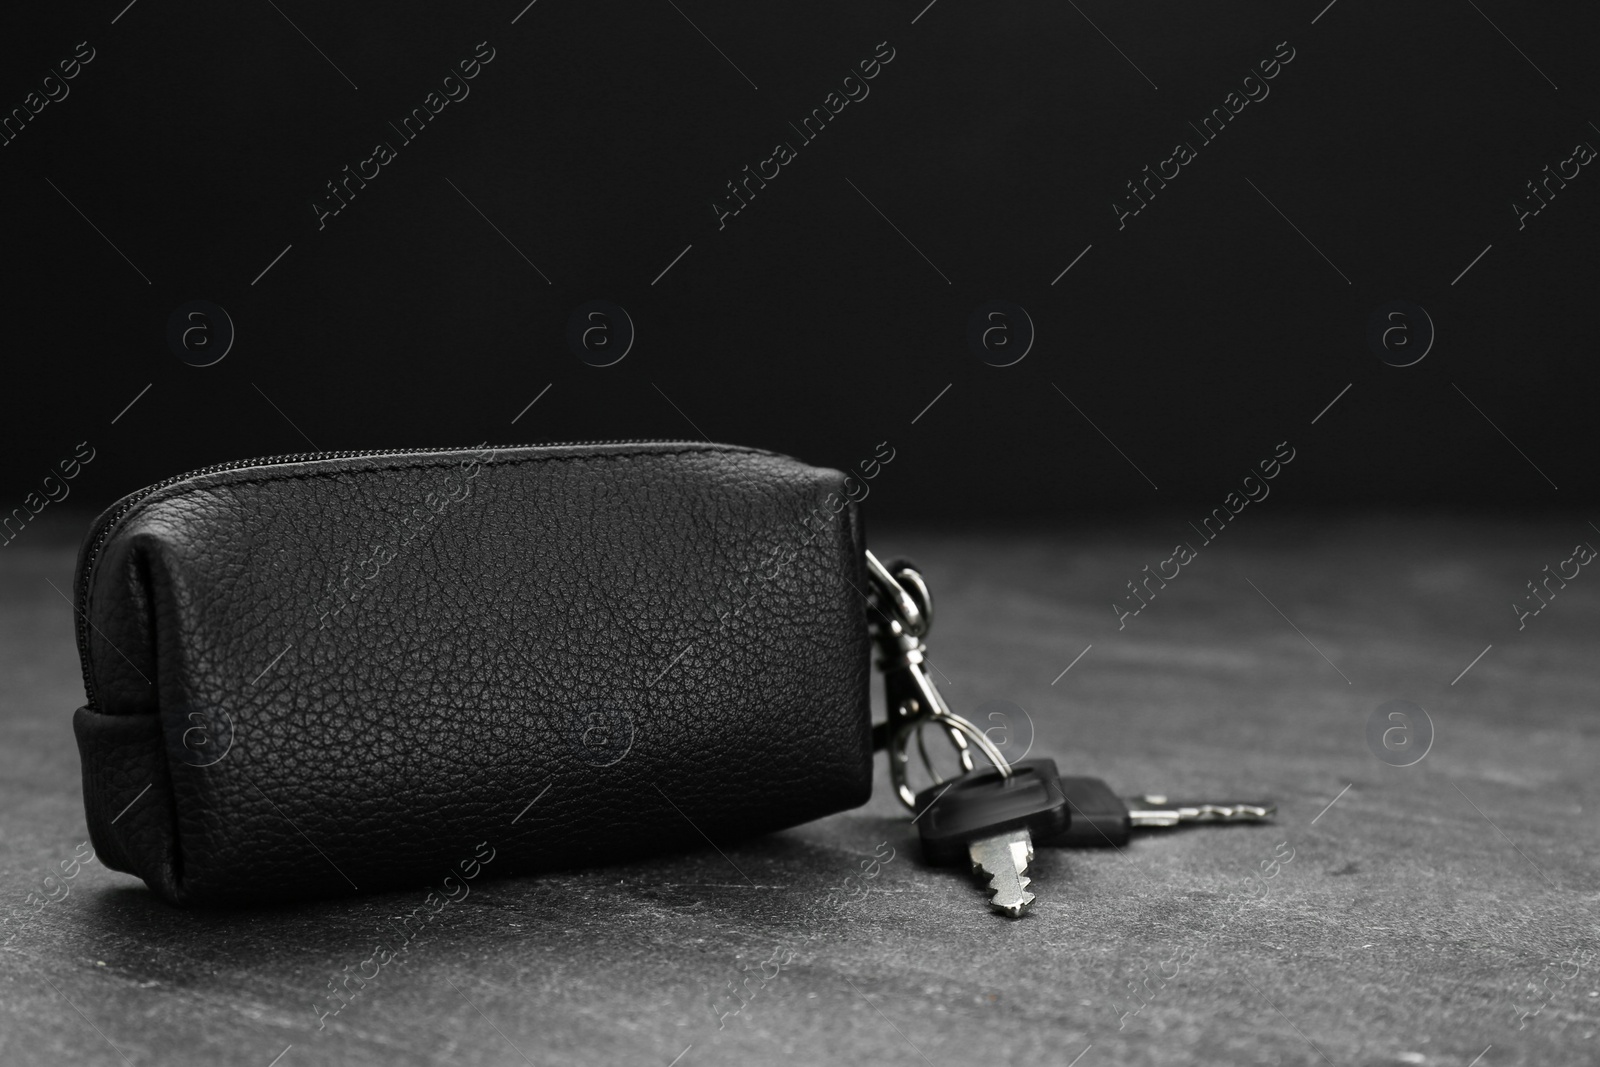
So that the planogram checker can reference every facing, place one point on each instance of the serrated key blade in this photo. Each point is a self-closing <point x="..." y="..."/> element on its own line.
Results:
<point x="1156" y="810"/>
<point x="1004" y="860"/>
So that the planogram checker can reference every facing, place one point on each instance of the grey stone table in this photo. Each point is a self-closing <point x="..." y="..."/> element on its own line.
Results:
<point x="1438" y="913"/>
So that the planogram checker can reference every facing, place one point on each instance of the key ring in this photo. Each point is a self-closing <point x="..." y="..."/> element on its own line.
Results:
<point x="903" y="610"/>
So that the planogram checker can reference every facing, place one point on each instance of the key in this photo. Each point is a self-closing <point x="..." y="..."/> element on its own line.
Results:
<point x="1004" y="860"/>
<point x="1098" y="817"/>
<point x="991" y="822"/>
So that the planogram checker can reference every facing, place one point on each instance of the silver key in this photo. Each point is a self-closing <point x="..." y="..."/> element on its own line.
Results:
<point x="1100" y="817"/>
<point x="991" y="821"/>
<point x="1003" y="860"/>
<point x="1157" y="810"/>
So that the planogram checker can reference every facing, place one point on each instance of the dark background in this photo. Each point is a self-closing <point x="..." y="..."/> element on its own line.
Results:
<point x="1196" y="338"/>
<point x="1429" y="906"/>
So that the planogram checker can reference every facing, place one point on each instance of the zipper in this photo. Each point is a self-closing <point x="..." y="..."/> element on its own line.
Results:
<point x="122" y="507"/>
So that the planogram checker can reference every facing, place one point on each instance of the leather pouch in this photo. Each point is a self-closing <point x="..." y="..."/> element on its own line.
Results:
<point x="322" y="674"/>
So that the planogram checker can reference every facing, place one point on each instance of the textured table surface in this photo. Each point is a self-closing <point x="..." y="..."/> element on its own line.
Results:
<point x="1432" y="914"/>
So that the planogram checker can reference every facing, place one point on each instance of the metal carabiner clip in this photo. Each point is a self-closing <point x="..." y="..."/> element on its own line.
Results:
<point x="903" y="613"/>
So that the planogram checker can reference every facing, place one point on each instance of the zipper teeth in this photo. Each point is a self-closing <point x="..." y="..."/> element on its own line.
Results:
<point x="126" y="504"/>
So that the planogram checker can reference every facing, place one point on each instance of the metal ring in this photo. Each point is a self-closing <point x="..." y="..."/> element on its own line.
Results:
<point x="899" y="757"/>
<point x="958" y="741"/>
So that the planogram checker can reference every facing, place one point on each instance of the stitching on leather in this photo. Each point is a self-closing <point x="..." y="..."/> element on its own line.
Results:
<point x="181" y="490"/>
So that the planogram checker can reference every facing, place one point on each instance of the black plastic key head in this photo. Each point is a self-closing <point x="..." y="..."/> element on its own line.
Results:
<point x="1099" y="816"/>
<point x="982" y="804"/>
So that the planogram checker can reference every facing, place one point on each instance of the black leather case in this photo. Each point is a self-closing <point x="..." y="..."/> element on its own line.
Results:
<point x="314" y="675"/>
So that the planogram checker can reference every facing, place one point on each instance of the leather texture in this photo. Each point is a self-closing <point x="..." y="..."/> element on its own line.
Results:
<point x="320" y="677"/>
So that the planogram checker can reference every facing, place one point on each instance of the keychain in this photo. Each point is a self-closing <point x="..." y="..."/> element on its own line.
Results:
<point x="993" y="817"/>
